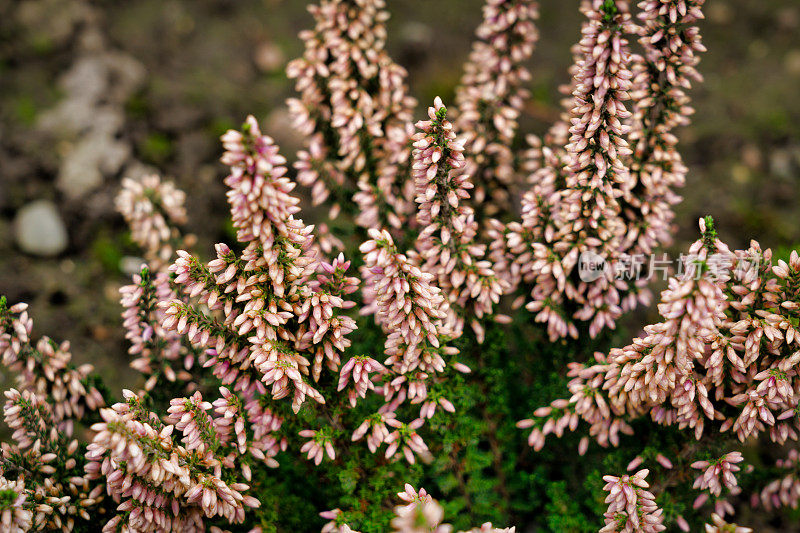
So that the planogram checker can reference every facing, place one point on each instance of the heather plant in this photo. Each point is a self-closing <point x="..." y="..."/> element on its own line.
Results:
<point x="311" y="376"/>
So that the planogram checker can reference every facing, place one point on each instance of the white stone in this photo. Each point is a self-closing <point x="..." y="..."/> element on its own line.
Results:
<point x="39" y="229"/>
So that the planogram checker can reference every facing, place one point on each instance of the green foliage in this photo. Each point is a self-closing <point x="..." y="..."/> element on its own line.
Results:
<point x="156" y="148"/>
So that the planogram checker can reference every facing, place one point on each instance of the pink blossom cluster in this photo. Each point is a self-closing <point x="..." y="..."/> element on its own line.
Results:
<point x="14" y="517"/>
<point x="575" y="209"/>
<point x="354" y="111"/>
<point x="43" y="458"/>
<point x="718" y="473"/>
<point x="723" y="355"/>
<point x="281" y="307"/>
<point x="408" y="306"/>
<point x="784" y="491"/>
<point x="719" y="525"/>
<point x="159" y="354"/>
<point x="411" y="311"/>
<point x="590" y="192"/>
<point x="723" y="360"/>
<point x="52" y="491"/>
<point x="602" y="179"/>
<point x="631" y="507"/>
<point x="661" y="77"/>
<point x="45" y="368"/>
<point x="157" y="483"/>
<point x="447" y="245"/>
<point x="153" y="210"/>
<point x="491" y="97"/>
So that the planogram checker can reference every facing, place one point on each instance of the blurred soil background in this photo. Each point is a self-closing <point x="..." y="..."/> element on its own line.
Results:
<point x="94" y="91"/>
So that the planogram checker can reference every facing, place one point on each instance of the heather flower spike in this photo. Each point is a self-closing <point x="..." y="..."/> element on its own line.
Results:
<point x="631" y="507"/>
<point x="602" y="190"/>
<point x="354" y="111"/>
<point x="491" y="97"/>
<point x="154" y="210"/>
<point x="447" y="243"/>
<point x="277" y="299"/>
<point x="661" y="78"/>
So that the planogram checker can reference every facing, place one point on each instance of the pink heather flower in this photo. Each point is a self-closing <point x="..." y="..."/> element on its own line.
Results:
<point x="430" y="404"/>
<point x="334" y="526"/>
<point x="160" y="354"/>
<point x="327" y="243"/>
<point x="319" y="444"/>
<point x="316" y="171"/>
<point x="406" y="439"/>
<point x="663" y="461"/>
<point x="447" y="244"/>
<point x="14" y="518"/>
<point x="283" y="306"/>
<point x="374" y="427"/>
<point x="190" y="418"/>
<point x="661" y="78"/>
<point x="353" y="108"/>
<point x="596" y="170"/>
<point x="631" y="507"/>
<point x="675" y="371"/>
<point x="718" y="473"/>
<point x="559" y="224"/>
<point x="248" y="426"/>
<point x="409" y="307"/>
<point x="267" y="321"/>
<point x="328" y="325"/>
<point x="491" y="96"/>
<point x="420" y="514"/>
<point x="633" y="465"/>
<point x="589" y="191"/>
<point x="188" y="484"/>
<point x="783" y="491"/>
<point x="45" y="368"/>
<point x="231" y="421"/>
<point x="259" y="193"/>
<point x="153" y="210"/>
<point x="45" y="454"/>
<point x="357" y="370"/>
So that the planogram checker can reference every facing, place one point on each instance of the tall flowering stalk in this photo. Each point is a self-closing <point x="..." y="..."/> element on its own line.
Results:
<point x="671" y="42"/>
<point x="154" y="210"/>
<point x="52" y="395"/>
<point x="272" y="320"/>
<point x="596" y="170"/>
<point x="161" y="355"/>
<point x="606" y="195"/>
<point x="158" y="484"/>
<point x="354" y="110"/>
<point x="447" y="243"/>
<point x="411" y="311"/>
<point x="45" y="368"/>
<point x="491" y="97"/>
<point x="581" y="216"/>
<point x="631" y="507"/>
